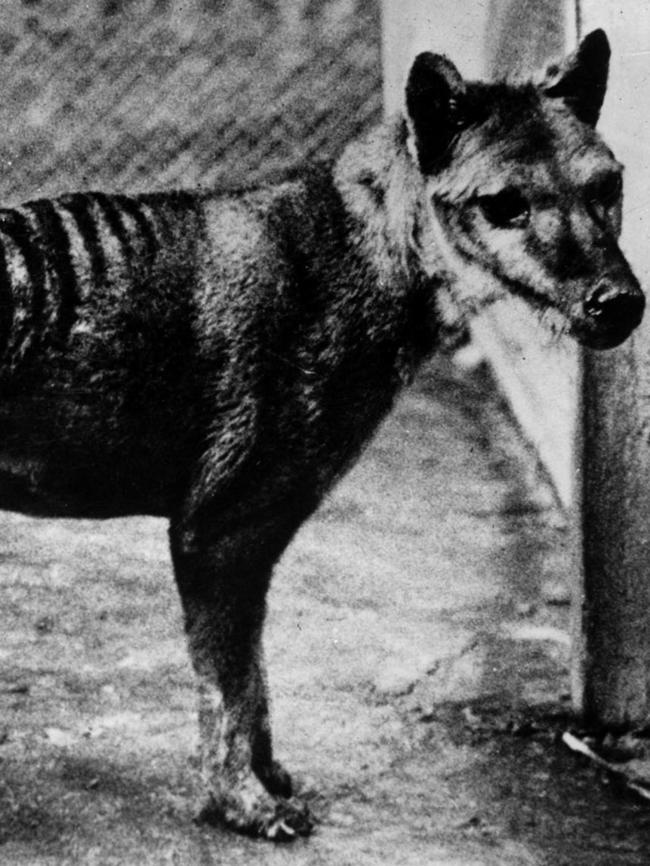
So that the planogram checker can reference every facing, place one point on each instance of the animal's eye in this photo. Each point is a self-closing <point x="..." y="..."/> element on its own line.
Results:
<point x="507" y="209"/>
<point x="606" y="191"/>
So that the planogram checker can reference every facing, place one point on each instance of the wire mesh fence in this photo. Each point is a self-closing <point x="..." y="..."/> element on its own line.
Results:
<point x="134" y="94"/>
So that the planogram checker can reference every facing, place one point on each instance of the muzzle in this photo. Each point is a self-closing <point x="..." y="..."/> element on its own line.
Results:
<point x="609" y="314"/>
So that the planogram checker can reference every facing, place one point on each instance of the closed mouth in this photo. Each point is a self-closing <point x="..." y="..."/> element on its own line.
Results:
<point x="595" y="336"/>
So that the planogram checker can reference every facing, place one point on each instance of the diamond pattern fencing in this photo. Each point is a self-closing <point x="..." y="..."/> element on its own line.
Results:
<point x="135" y="94"/>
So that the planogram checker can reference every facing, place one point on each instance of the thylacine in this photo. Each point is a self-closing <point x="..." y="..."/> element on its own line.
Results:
<point x="221" y="360"/>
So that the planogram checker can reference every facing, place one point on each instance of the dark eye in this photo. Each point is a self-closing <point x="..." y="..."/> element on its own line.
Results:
<point x="507" y="209"/>
<point x="606" y="191"/>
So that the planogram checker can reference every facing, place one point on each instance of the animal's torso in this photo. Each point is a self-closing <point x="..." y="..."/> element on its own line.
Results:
<point x="148" y="341"/>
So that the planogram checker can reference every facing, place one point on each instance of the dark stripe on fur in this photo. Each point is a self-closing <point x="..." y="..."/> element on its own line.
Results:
<point x="56" y="242"/>
<point x="80" y="208"/>
<point x="6" y="303"/>
<point x="111" y="212"/>
<point x="133" y="208"/>
<point x="16" y="226"/>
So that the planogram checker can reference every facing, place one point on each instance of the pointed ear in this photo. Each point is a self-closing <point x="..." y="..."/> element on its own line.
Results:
<point x="434" y="96"/>
<point x="581" y="79"/>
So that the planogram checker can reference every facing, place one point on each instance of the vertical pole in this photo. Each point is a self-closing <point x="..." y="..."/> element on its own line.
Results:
<point x="616" y="524"/>
<point x="615" y="616"/>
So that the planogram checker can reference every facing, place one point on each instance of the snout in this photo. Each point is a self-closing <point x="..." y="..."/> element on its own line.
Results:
<point x="609" y="315"/>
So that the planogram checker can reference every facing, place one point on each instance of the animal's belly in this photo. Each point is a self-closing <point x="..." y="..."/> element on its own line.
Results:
<point x="72" y="452"/>
<point x="56" y="489"/>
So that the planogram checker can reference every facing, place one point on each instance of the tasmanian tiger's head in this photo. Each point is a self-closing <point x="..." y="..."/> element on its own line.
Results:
<point x="522" y="195"/>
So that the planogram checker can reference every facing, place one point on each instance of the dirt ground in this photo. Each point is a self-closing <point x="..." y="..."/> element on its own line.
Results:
<point x="419" y="676"/>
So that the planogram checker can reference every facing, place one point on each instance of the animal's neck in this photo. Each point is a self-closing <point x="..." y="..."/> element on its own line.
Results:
<point x="383" y="188"/>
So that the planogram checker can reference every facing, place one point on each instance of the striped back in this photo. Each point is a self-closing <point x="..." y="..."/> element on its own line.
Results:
<point x="56" y="255"/>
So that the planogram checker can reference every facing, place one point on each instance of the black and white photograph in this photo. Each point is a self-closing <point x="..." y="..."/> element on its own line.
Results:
<point x="324" y="433"/>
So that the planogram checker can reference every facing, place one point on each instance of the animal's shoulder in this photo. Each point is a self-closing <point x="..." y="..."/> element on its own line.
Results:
<point x="276" y="222"/>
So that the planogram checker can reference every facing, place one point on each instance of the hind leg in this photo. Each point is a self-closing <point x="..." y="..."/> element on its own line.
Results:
<point x="223" y="586"/>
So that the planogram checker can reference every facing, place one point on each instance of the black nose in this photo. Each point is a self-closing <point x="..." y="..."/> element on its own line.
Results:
<point x="611" y="306"/>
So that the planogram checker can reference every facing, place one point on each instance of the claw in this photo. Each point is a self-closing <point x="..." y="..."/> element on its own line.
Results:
<point x="280" y="831"/>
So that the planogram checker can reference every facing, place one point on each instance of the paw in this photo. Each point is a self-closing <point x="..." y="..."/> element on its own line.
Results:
<point x="275" y="779"/>
<point x="292" y="819"/>
<point x="249" y="809"/>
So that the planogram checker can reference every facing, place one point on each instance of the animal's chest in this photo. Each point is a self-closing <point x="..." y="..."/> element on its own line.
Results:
<point x="327" y="405"/>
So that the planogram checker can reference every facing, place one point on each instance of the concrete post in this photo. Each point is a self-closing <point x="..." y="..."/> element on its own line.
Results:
<point x="615" y="618"/>
<point x="616" y="524"/>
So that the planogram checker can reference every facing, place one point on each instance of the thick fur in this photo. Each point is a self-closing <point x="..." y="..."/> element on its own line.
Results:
<point x="222" y="359"/>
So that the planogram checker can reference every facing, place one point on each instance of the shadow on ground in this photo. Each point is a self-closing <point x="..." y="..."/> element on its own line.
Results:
<point x="419" y="673"/>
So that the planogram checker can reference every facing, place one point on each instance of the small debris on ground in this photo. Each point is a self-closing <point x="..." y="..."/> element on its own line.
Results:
<point x="633" y="772"/>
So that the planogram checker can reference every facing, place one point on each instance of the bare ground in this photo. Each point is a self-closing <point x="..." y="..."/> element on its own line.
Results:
<point x="419" y="677"/>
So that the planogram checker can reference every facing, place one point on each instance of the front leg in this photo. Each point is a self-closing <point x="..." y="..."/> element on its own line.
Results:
<point x="223" y="586"/>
